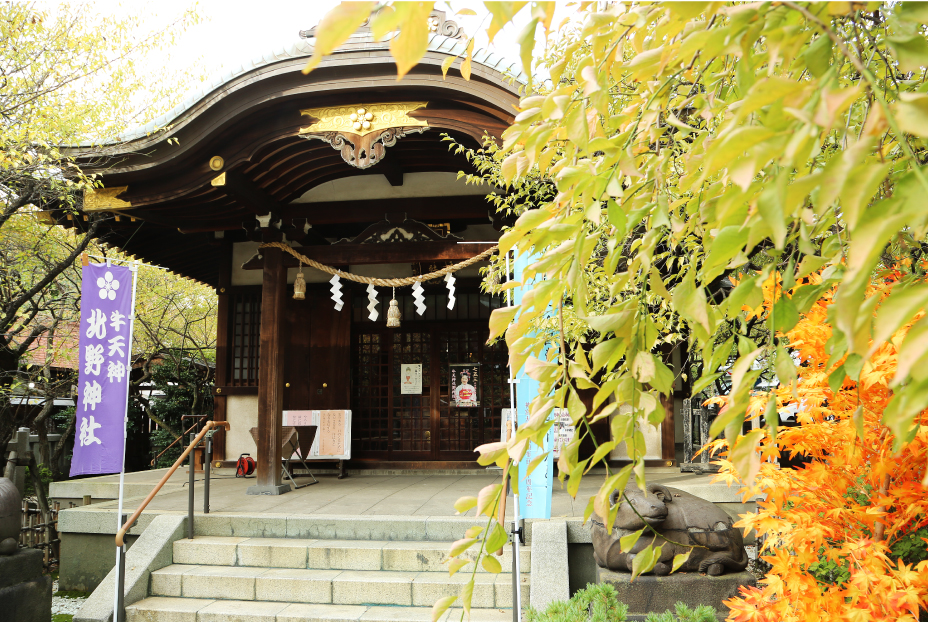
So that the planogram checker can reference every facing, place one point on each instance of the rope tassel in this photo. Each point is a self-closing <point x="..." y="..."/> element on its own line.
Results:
<point x="449" y="281"/>
<point x="419" y="297"/>
<point x="337" y="292"/>
<point x="372" y="305"/>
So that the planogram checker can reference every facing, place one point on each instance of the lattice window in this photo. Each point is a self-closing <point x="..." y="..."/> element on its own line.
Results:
<point x="246" y="339"/>
<point x="412" y="414"/>
<point x="371" y="388"/>
<point x="462" y="429"/>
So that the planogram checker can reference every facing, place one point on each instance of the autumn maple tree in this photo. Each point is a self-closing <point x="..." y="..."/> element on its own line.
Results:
<point x="846" y="535"/>
<point x="692" y="146"/>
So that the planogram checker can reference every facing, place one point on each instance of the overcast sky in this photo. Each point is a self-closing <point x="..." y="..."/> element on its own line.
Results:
<point x="234" y="32"/>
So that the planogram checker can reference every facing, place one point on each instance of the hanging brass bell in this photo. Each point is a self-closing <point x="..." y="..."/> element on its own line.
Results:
<point x="393" y="315"/>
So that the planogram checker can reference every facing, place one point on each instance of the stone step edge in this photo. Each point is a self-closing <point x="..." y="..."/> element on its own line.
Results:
<point x="188" y="568"/>
<point x="151" y="605"/>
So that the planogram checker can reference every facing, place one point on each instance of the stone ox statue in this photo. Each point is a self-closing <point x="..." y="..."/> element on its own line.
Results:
<point x="678" y="517"/>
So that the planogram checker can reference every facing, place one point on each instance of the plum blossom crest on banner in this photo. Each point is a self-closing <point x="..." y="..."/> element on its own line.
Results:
<point x="103" y="374"/>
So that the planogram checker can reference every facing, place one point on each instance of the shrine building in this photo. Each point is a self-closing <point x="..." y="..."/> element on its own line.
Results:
<point x="350" y="167"/>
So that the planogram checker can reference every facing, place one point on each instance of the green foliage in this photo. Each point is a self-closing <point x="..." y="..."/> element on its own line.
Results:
<point x="911" y="547"/>
<point x="594" y="603"/>
<point x="599" y="603"/>
<point x="682" y="613"/>
<point x="831" y="571"/>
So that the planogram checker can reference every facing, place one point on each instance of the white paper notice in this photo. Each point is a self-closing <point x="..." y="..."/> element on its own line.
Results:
<point x="411" y="379"/>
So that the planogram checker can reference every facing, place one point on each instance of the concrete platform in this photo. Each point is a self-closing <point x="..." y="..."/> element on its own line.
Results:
<point x="652" y="594"/>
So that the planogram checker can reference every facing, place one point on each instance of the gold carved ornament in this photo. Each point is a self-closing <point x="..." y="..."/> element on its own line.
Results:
<point x="105" y="199"/>
<point x="362" y="132"/>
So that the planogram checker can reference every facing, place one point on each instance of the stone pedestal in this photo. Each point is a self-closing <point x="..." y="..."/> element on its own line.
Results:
<point x="25" y="594"/>
<point x="649" y="593"/>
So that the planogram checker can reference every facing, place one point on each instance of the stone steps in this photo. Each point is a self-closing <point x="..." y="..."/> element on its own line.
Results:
<point x="336" y="587"/>
<point x="162" y="609"/>
<point x="400" y="556"/>
<point x="260" y="579"/>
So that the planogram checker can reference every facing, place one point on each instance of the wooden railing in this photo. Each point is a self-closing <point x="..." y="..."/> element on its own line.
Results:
<point x="121" y="534"/>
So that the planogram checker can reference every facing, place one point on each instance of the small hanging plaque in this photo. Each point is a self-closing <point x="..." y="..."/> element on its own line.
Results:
<point x="411" y="379"/>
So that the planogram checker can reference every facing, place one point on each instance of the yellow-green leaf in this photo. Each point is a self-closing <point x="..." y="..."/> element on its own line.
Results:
<point x="491" y="564"/>
<point x="410" y="45"/>
<point x="679" y="560"/>
<point x="465" y="503"/>
<point x="335" y="27"/>
<point x="441" y="606"/>
<point x="627" y="542"/>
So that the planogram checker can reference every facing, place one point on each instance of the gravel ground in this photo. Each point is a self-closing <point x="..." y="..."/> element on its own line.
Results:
<point x="61" y="604"/>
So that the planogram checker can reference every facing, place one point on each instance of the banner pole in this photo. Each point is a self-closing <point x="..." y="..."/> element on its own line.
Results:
<point x="118" y="613"/>
<point x="515" y="531"/>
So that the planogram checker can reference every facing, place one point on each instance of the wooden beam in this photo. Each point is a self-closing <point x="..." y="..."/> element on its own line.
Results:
<point x="270" y="375"/>
<point x="440" y="209"/>
<point x="392" y="170"/>
<point x="249" y="194"/>
<point x="359" y="254"/>
<point x="437" y="209"/>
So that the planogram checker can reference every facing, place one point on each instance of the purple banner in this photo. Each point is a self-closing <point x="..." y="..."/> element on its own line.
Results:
<point x="103" y="378"/>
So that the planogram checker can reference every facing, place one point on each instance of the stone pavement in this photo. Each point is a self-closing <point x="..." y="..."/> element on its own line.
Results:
<point x="415" y="493"/>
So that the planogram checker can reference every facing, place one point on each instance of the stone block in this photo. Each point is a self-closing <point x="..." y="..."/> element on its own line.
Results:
<point x="23" y="565"/>
<point x="345" y="554"/>
<point x="504" y="589"/>
<point x="428" y="587"/>
<point x="28" y="601"/>
<point x="157" y="609"/>
<point x="240" y="525"/>
<point x="401" y="614"/>
<point x="649" y="593"/>
<point x="86" y="559"/>
<point x="273" y="552"/>
<point x="321" y="613"/>
<point x="480" y="615"/>
<point x="295" y="585"/>
<point x="549" y="563"/>
<point x="448" y="528"/>
<point x="415" y="556"/>
<point x="152" y="551"/>
<point x="169" y="581"/>
<point x="363" y="587"/>
<point x="207" y="550"/>
<point x="240" y="611"/>
<point x="367" y="527"/>
<point x="220" y="582"/>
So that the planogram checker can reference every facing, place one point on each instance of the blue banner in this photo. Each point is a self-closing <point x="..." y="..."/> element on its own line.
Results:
<point x="535" y="489"/>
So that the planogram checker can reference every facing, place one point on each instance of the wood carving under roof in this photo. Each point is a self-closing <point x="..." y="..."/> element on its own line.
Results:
<point x="386" y="232"/>
<point x="361" y="133"/>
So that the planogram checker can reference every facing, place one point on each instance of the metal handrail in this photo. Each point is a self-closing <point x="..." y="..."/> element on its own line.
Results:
<point x="121" y="534"/>
<point x="176" y="440"/>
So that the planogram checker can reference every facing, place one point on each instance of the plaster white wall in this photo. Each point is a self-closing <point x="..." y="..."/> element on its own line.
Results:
<point x="242" y="415"/>
<point x="377" y="187"/>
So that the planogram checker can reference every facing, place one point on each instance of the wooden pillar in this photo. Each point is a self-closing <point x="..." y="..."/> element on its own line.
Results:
<point x="223" y="329"/>
<point x="270" y="375"/>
